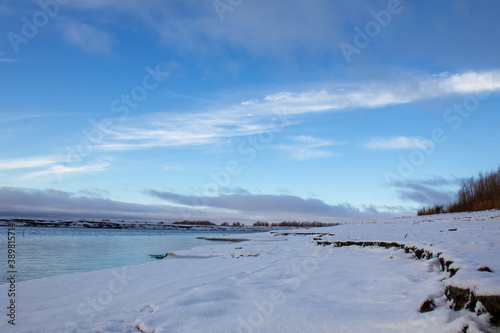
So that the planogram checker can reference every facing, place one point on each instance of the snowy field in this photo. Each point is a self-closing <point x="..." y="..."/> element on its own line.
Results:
<point x="283" y="282"/>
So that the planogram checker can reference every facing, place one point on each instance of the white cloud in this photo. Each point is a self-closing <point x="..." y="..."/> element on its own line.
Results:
<point x="58" y="170"/>
<point x="305" y="147"/>
<point x="172" y="168"/>
<point x="442" y="74"/>
<point x="87" y="37"/>
<point x="212" y="127"/>
<point x="398" y="143"/>
<point x="304" y="153"/>
<point x="380" y="94"/>
<point x="203" y="129"/>
<point x="312" y="142"/>
<point x="49" y="166"/>
<point x="470" y="82"/>
<point x="28" y="162"/>
<point x="6" y="59"/>
<point x="250" y="102"/>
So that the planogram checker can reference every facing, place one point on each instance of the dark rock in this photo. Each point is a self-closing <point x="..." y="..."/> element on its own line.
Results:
<point x="157" y="256"/>
<point x="418" y="253"/>
<point x="427" y="306"/>
<point x="459" y="296"/>
<point x="453" y="271"/>
<point x="484" y="269"/>
<point x="464" y="298"/>
<point x="224" y="239"/>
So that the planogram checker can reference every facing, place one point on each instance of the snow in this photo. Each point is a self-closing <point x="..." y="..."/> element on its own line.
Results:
<point x="281" y="283"/>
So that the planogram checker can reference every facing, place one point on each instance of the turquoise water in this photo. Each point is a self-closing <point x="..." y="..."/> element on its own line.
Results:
<point x="44" y="252"/>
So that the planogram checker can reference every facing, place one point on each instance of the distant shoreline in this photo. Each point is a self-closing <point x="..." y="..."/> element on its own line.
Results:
<point x="108" y="224"/>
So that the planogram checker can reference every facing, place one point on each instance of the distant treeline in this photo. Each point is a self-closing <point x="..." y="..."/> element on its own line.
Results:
<point x="294" y="224"/>
<point x="263" y="224"/>
<point x="478" y="194"/>
<point x="195" y="222"/>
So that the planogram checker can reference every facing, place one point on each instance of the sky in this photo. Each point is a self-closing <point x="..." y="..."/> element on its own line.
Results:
<point x="236" y="110"/>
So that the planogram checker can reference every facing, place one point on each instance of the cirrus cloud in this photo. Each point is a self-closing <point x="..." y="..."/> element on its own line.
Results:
<point x="87" y="37"/>
<point x="211" y="126"/>
<point x="306" y="147"/>
<point x="398" y="143"/>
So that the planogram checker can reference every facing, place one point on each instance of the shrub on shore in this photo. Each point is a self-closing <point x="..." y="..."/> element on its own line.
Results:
<point x="295" y="224"/>
<point x="437" y="209"/>
<point x="478" y="194"/>
<point x="195" y="222"/>
<point x="482" y="193"/>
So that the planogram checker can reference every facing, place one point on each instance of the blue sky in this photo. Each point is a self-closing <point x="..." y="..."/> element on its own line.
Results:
<point x="244" y="110"/>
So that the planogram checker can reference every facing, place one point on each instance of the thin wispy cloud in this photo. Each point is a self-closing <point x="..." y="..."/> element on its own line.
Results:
<point x="398" y="143"/>
<point x="313" y="142"/>
<point x="287" y="27"/>
<point x="172" y="168"/>
<point x="87" y="37"/>
<point x="442" y="74"/>
<point x="205" y="29"/>
<point x="60" y="170"/>
<point x="4" y="9"/>
<point x="4" y="59"/>
<point x="204" y="129"/>
<point x="49" y="166"/>
<point x="304" y="147"/>
<point x="29" y="162"/>
<point x="381" y="94"/>
<point x="29" y="116"/>
<point x="304" y="153"/>
<point x="255" y="116"/>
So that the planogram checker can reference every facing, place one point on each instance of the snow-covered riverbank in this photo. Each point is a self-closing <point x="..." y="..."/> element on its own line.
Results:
<point x="285" y="282"/>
